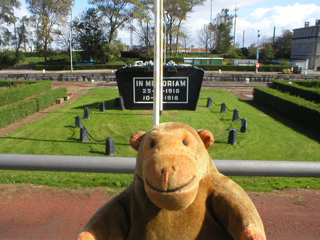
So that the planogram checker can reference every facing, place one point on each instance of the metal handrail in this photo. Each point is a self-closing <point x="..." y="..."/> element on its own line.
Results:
<point x="127" y="165"/>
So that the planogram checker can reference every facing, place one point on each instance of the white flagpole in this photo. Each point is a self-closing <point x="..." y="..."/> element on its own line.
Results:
<point x="158" y="60"/>
<point x="162" y="58"/>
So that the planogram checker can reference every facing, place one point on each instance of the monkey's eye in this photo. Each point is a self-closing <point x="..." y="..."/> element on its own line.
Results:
<point x="185" y="142"/>
<point x="152" y="144"/>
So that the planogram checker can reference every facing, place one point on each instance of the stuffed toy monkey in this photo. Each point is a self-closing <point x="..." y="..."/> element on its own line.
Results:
<point x="177" y="193"/>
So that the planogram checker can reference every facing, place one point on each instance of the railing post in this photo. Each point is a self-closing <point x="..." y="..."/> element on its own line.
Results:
<point x="78" y="122"/>
<point x="243" y="128"/>
<point x="223" y="108"/>
<point x="102" y="107"/>
<point x="232" y="139"/>
<point x="209" y="102"/>
<point x="86" y="114"/>
<point x="84" y="136"/>
<point x="110" y="147"/>
<point x="235" y="116"/>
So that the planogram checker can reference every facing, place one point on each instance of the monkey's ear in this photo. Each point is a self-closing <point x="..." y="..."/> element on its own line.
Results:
<point x="136" y="139"/>
<point x="207" y="137"/>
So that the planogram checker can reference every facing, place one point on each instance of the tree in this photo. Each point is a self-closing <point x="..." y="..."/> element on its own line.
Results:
<point x="92" y="40"/>
<point x="46" y="15"/>
<point x="62" y="39"/>
<point x="185" y="38"/>
<point x="90" y="35"/>
<point x="7" y="17"/>
<point x="222" y="26"/>
<point x="205" y="37"/>
<point x="283" y="44"/>
<point x="21" y="34"/>
<point x="117" y="12"/>
<point x="252" y="50"/>
<point x="7" y="11"/>
<point x="266" y="52"/>
<point x="145" y="34"/>
<point x="5" y="37"/>
<point x="176" y="13"/>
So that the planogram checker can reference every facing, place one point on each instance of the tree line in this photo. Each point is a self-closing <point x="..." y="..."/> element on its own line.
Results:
<point x="95" y="31"/>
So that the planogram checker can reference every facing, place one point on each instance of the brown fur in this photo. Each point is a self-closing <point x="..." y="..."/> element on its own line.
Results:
<point x="176" y="193"/>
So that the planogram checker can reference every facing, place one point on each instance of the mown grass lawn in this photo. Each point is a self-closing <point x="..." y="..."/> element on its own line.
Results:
<point x="268" y="138"/>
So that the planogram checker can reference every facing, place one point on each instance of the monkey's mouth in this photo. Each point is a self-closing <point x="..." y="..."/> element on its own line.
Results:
<point x="170" y="190"/>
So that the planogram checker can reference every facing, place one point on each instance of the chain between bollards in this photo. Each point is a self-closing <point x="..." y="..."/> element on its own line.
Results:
<point x="110" y="146"/>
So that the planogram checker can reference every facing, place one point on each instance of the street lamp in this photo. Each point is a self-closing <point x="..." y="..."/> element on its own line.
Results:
<point x="257" y="52"/>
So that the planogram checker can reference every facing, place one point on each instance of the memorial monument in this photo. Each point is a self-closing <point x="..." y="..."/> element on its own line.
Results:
<point x="180" y="88"/>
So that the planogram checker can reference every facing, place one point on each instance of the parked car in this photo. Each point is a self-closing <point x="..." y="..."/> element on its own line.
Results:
<point x="318" y="68"/>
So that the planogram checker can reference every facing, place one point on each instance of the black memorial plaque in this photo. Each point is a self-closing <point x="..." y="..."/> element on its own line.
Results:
<point x="181" y="87"/>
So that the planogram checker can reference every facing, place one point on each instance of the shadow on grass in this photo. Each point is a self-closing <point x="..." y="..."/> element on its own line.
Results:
<point x="294" y="124"/>
<point x="43" y="140"/>
<point x="109" y="104"/>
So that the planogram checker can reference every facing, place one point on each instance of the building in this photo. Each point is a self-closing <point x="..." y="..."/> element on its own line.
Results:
<point x="306" y="44"/>
<point x="193" y="49"/>
<point x="244" y="62"/>
<point x="202" y="61"/>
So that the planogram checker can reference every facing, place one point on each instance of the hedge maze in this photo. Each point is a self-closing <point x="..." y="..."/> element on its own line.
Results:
<point x="19" y="99"/>
<point x="299" y="100"/>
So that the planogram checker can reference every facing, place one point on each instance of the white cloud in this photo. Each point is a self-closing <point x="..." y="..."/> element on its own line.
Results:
<point x="283" y="18"/>
<point x="253" y="15"/>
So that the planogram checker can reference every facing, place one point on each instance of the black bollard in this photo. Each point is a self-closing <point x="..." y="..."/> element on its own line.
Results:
<point x="243" y="128"/>
<point x="86" y="114"/>
<point x="110" y="147"/>
<point x="102" y="107"/>
<point x="209" y="102"/>
<point x="78" y="122"/>
<point x="232" y="139"/>
<point x="84" y="136"/>
<point x="223" y="108"/>
<point x="235" y="116"/>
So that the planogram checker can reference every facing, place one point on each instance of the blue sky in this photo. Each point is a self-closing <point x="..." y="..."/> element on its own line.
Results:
<point x="253" y="15"/>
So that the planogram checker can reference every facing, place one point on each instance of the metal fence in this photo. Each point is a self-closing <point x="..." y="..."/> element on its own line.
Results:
<point x="127" y="165"/>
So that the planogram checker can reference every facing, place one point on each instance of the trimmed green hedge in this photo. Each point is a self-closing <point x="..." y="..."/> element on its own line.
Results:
<point x="19" y="111"/>
<point x="310" y="84"/>
<point x="14" y="94"/>
<point x="295" y="107"/>
<point x="80" y="67"/>
<point x="5" y="83"/>
<point x="263" y="68"/>
<point x="311" y="94"/>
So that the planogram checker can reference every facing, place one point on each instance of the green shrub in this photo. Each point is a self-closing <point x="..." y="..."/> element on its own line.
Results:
<point x="14" y="94"/>
<point x="295" y="107"/>
<point x="7" y="58"/>
<point x="19" y="111"/>
<point x="80" y="67"/>
<point x="310" y="84"/>
<point x="263" y="68"/>
<point x="177" y="60"/>
<point x="4" y="83"/>
<point x="45" y="100"/>
<point x="311" y="94"/>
